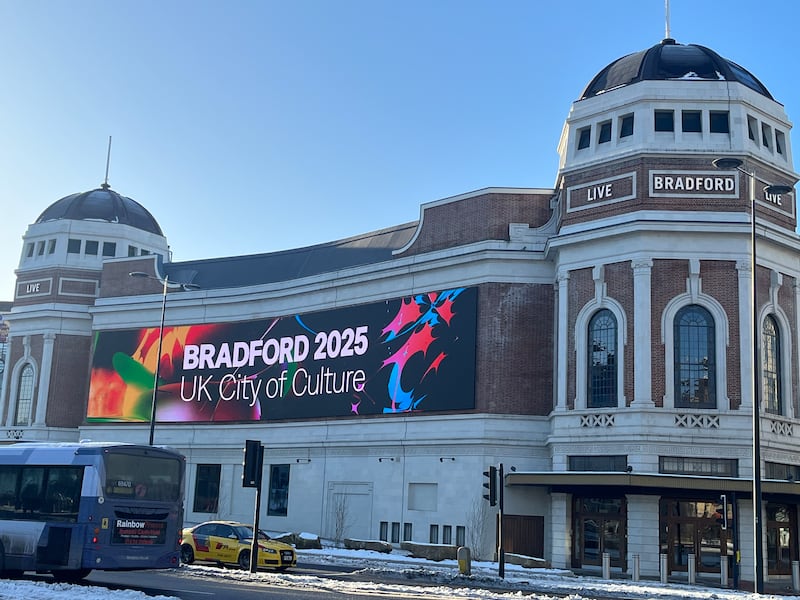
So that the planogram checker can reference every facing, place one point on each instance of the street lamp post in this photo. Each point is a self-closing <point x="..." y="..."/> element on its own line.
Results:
<point x="735" y="164"/>
<point x="165" y="283"/>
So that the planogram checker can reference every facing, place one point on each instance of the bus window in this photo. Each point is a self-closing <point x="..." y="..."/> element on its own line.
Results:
<point x="30" y="494"/>
<point x="143" y="477"/>
<point x="63" y="493"/>
<point x="8" y="491"/>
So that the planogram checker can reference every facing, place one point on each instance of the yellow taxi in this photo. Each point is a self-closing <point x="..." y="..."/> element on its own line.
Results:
<point x="229" y="542"/>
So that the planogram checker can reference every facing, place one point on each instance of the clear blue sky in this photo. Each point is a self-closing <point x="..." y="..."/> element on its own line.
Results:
<point x="251" y="126"/>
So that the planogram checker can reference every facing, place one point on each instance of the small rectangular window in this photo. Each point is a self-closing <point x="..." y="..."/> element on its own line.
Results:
<point x="133" y="251"/>
<point x="461" y="535"/>
<point x="584" y="138"/>
<point x="691" y="121"/>
<point x="709" y="467"/>
<point x="605" y="133"/>
<point x="109" y="249"/>
<point x="752" y="127"/>
<point x="780" y="141"/>
<point x="145" y="252"/>
<point x="206" y="488"/>
<point x="626" y="126"/>
<point x="40" y="248"/>
<point x="781" y="471"/>
<point x="51" y="247"/>
<point x="29" y="250"/>
<point x="73" y="246"/>
<point x="612" y="463"/>
<point x="278" y="503"/>
<point x="433" y="538"/>
<point x="664" y="120"/>
<point x="91" y="247"/>
<point x="719" y="121"/>
<point x="383" y="532"/>
<point x="407" y="527"/>
<point x="447" y="534"/>
<point x="766" y="136"/>
<point x="395" y="532"/>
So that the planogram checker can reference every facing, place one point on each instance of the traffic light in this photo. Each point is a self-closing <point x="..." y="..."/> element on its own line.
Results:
<point x="253" y="460"/>
<point x="723" y="520"/>
<point x="491" y="485"/>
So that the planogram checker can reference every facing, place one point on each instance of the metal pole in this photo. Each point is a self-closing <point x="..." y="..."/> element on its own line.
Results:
<point x="158" y="361"/>
<point x="758" y="550"/>
<point x="501" y="553"/>
<point x="254" y="543"/>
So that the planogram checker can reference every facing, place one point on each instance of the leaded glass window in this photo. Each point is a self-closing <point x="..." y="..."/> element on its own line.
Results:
<point x="602" y="360"/>
<point x="771" y="366"/>
<point x="24" y="396"/>
<point x="695" y="362"/>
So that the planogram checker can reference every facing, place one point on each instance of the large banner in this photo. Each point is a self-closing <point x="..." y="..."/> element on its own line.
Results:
<point x="400" y="356"/>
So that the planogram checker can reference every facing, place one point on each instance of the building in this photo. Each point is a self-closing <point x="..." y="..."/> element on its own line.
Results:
<point x="595" y="339"/>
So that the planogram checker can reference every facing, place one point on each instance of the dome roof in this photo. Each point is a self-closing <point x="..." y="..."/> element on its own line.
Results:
<point x="101" y="204"/>
<point x="670" y="60"/>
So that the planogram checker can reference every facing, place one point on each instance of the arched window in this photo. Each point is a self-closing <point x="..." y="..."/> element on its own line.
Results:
<point x="24" y="396"/>
<point x="695" y="362"/>
<point x="771" y="366"/>
<point x="602" y="347"/>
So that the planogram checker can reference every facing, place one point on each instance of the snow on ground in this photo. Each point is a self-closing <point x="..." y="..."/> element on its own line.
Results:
<point x="440" y="579"/>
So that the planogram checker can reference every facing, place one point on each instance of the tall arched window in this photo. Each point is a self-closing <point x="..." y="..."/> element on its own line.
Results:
<point x="24" y="396"/>
<point x="602" y="347"/>
<point x="771" y="366"/>
<point x="695" y="358"/>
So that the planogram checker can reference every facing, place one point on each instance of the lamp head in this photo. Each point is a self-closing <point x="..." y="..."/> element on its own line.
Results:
<point x="727" y="163"/>
<point x="778" y="190"/>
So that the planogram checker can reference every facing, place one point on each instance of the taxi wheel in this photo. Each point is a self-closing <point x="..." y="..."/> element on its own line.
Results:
<point x="244" y="559"/>
<point x="187" y="554"/>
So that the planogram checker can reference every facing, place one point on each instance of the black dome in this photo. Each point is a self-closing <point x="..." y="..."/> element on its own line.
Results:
<point x="670" y="60"/>
<point x="101" y="204"/>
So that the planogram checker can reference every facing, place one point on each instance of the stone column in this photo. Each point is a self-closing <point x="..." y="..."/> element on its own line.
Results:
<point x="562" y="355"/>
<point x="560" y="531"/>
<point x="642" y="329"/>
<point x="44" y="379"/>
<point x="745" y="269"/>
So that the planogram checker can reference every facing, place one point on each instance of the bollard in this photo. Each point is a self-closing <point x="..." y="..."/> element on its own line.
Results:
<point x="662" y="561"/>
<point x="692" y="568"/>
<point x="796" y="575"/>
<point x="464" y="560"/>
<point x="723" y="570"/>
<point x="636" y="567"/>
<point x="606" y="565"/>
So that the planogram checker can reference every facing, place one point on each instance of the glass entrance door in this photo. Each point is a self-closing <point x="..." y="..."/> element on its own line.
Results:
<point x="780" y="543"/>
<point x="600" y="528"/>
<point x="694" y="528"/>
<point x="600" y="536"/>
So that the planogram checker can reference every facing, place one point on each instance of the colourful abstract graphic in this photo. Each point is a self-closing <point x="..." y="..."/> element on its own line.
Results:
<point x="398" y="356"/>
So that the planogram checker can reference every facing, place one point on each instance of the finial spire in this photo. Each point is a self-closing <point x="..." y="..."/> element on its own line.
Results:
<point x="105" y="185"/>
<point x="666" y="19"/>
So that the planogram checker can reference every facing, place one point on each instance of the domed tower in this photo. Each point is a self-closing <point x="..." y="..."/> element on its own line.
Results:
<point x="656" y="320"/>
<point x="58" y="279"/>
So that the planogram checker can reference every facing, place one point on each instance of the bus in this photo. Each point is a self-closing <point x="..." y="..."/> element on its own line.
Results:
<point x="69" y="508"/>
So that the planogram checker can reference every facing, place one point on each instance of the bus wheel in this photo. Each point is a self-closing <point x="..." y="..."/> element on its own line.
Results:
<point x="70" y="575"/>
<point x="187" y="554"/>
<point x="244" y="559"/>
